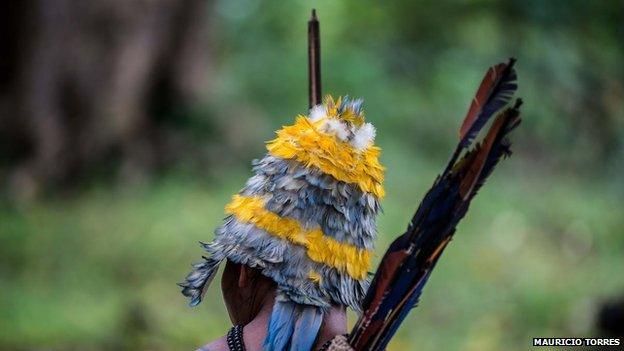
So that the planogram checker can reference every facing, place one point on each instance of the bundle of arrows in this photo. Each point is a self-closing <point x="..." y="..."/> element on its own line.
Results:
<point x="410" y="259"/>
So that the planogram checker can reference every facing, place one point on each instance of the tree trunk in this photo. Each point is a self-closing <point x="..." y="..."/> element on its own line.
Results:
<point x="79" y="79"/>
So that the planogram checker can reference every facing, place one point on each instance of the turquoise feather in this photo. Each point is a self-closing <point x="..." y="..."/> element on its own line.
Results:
<point x="307" y="328"/>
<point x="281" y="325"/>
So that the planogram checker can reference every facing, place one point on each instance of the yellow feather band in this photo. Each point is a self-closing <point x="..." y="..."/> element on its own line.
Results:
<point x="308" y="145"/>
<point x="320" y="248"/>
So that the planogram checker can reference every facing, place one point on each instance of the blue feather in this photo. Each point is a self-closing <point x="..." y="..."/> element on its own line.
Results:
<point x="306" y="328"/>
<point x="281" y="325"/>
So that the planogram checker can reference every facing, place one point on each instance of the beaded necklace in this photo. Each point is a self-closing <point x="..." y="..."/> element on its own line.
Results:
<point x="235" y="338"/>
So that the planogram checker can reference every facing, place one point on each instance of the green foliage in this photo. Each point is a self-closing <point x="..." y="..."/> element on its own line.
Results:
<point x="98" y="271"/>
<point x="417" y="65"/>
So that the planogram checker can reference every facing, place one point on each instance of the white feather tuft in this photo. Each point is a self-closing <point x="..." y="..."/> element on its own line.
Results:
<point x="336" y="127"/>
<point x="317" y="112"/>
<point x="363" y="137"/>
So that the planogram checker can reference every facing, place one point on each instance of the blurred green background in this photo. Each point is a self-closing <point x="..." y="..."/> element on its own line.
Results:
<point x="126" y="126"/>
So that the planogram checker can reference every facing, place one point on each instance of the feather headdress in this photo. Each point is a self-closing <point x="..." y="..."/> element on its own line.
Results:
<point x="306" y="219"/>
